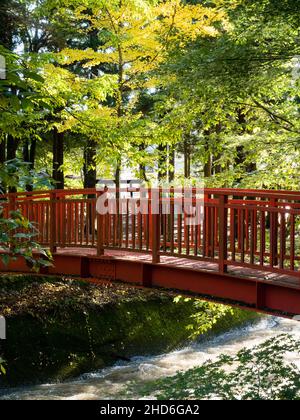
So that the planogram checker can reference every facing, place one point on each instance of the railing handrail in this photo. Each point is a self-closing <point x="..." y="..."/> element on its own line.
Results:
<point x="238" y="192"/>
<point x="262" y="232"/>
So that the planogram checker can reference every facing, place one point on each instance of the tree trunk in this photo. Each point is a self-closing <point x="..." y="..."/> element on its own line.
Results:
<point x="241" y="160"/>
<point x="90" y="177"/>
<point x="12" y="147"/>
<point x="32" y="154"/>
<point x="142" y="166"/>
<point x="118" y="175"/>
<point x="142" y="171"/>
<point x="207" y="168"/>
<point x="208" y="163"/>
<point x="90" y="149"/>
<point x="187" y="159"/>
<point x="29" y="152"/>
<point x="58" y="159"/>
<point x="162" y="166"/>
<point x="7" y="25"/>
<point x="118" y="186"/>
<point x="26" y="151"/>
<point x="3" y="151"/>
<point x="171" y="164"/>
<point x="217" y="166"/>
<point x="89" y="168"/>
<point x="2" y="160"/>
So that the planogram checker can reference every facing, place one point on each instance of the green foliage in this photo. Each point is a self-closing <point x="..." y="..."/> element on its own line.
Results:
<point x="236" y="97"/>
<point x="17" y="239"/>
<point x="206" y="315"/>
<point x="17" y="174"/>
<point x="21" y="102"/>
<point x="2" y="367"/>
<point x="18" y="236"/>
<point x="218" y="81"/>
<point x="260" y="373"/>
<point x="132" y="41"/>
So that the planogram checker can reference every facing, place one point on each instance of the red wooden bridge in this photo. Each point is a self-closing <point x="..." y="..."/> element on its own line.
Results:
<point x="246" y="250"/>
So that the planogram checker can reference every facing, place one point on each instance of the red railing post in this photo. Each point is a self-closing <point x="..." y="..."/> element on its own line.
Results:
<point x="273" y="234"/>
<point x="223" y="233"/>
<point x="100" y="247"/>
<point x="53" y="221"/>
<point x="155" y="226"/>
<point x="155" y="238"/>
<point x="12" y="202"/>
<point x="12" y="207"/>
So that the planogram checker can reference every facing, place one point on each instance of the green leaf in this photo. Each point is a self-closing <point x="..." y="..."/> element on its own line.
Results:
<point x="34" y="76"/>
<point x="5" y="259"/>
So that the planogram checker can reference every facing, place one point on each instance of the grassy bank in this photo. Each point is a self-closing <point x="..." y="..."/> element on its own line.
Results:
<point x="59" y="328"/>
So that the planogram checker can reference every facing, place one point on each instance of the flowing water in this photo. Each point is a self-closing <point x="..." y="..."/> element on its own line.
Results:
<point x="110" y="383"/>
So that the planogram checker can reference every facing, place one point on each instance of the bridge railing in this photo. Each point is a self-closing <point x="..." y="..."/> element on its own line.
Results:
<point x="254" y="229"/>
<point x="245" y="228"/>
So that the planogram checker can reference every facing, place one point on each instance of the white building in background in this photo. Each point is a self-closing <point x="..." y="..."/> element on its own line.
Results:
<point x="128" y="174"/>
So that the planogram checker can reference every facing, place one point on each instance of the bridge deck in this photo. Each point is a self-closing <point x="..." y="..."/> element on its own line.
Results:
<point x="242" y="247"/>
<point x="195" y="265"/>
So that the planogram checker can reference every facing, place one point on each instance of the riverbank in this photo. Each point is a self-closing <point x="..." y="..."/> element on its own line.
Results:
<point x="59" y="328"/>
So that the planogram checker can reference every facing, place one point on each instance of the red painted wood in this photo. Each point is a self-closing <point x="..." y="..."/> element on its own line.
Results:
<point x="256" y="228"/>
<point x="292" y="244"/>
<point x="223" y="232"/>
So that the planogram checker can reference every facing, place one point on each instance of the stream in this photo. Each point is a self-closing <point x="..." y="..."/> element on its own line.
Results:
<point x="111" y="382"/>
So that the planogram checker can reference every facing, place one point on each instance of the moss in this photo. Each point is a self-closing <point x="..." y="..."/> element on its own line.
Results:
<point x="232" y="320"/>
<point x="84" y="329"/>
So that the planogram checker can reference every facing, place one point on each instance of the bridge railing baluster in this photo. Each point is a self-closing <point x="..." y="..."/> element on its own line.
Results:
<point x="245" y="228"/>
<point x="223" y="233"/>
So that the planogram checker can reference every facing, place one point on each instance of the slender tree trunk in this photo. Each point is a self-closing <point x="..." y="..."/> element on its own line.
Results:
<point x="208" y="163"/>
<point x="143" y="174"/>
<point x="142" y="168"/>
<point x="118" y="174"/>
<point x="162" y="163"/>
<point x="90" y="150"/>
<point x="118" y="185"/>
<point x="7" y="25"/>
<point x="207" y="168"/>
<point x="90" y="176"/>
<point x="3" y="151"/>
<point x="187" y="159"/>
<point x="2" y="160"/>
<point x="32" y="153"/>
<point x="26" y="151"/>
<point x="8" y="147"/>
<point x="89" y="169"/>
<point x="58" y="159"/>
<point x="29" y="152"/>
<point x="187" y="166"/>
<point x="217" y="166"/>
<point x="171" y="164"/>
<point x="241" y="158"/>
<point x="12" y="147"/>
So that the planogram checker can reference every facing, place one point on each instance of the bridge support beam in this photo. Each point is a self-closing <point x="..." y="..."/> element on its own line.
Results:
<point x="260" y="295"/>
<point x="263" y="296"/>
<point x="146" y="276"/>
